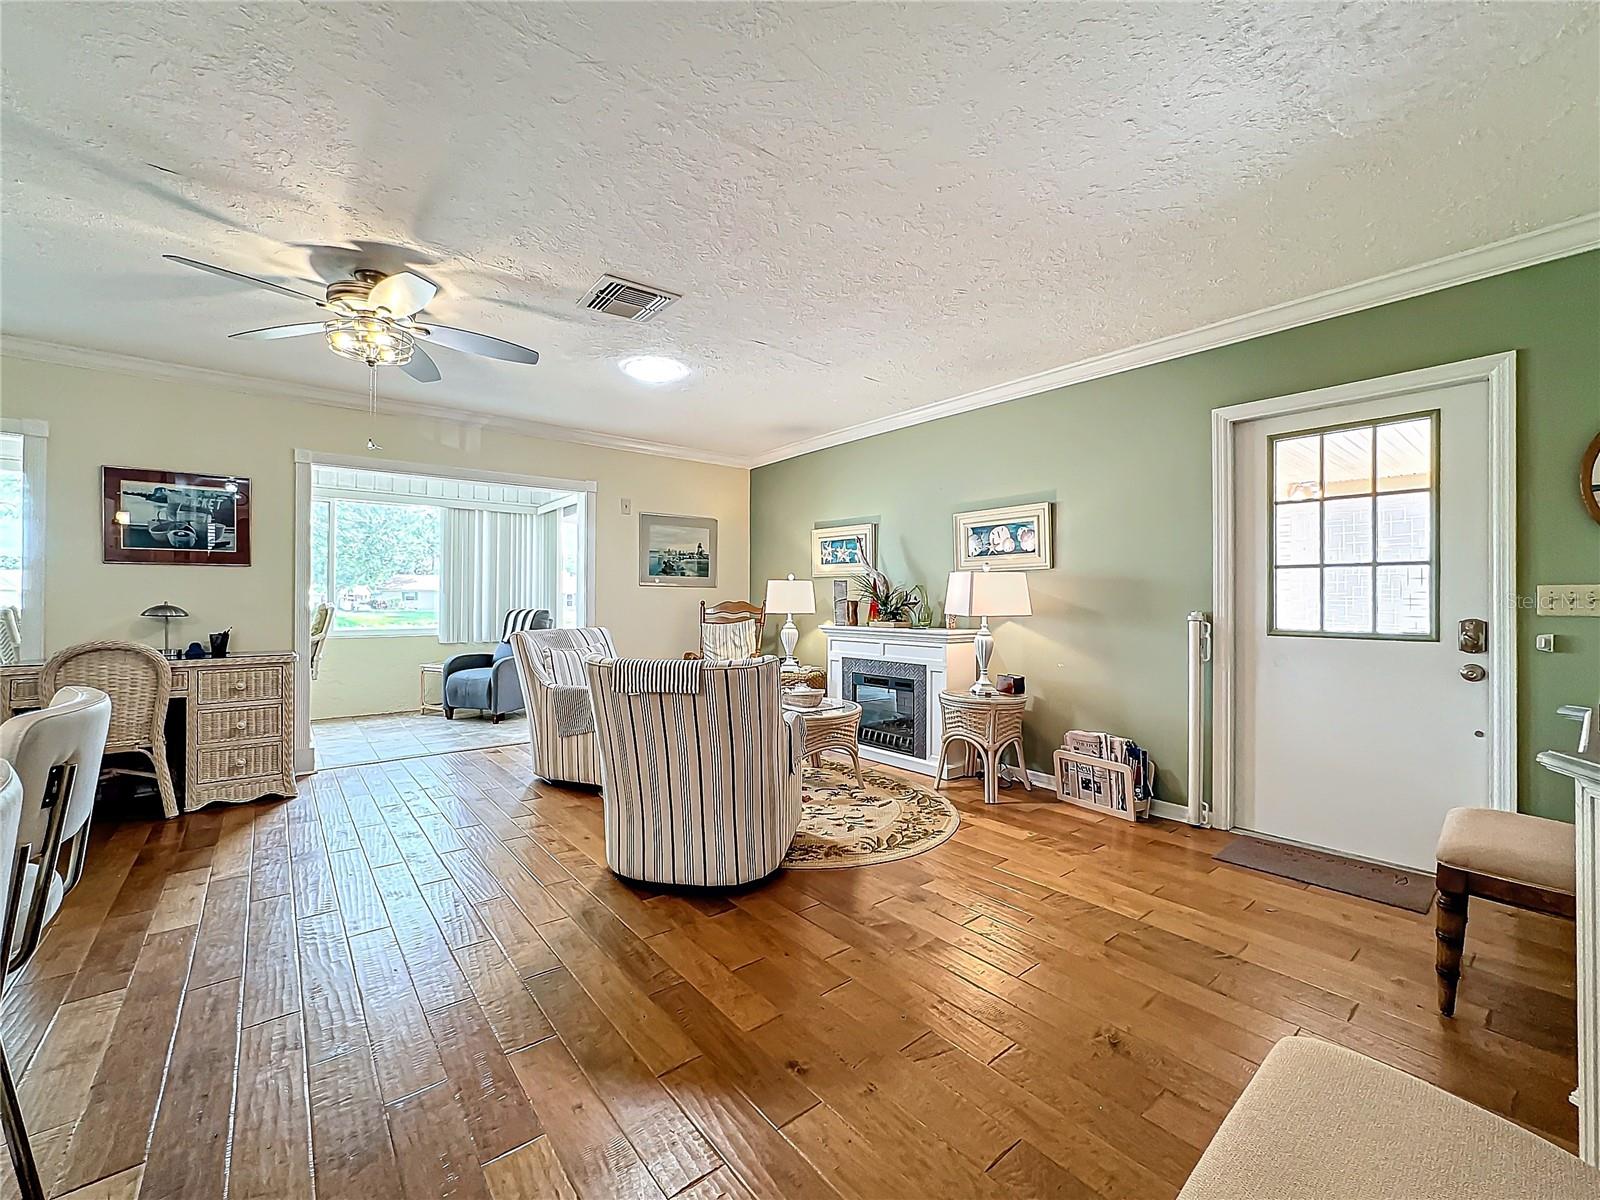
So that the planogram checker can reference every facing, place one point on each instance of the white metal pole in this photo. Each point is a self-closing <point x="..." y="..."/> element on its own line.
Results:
<point x="1199" y="653"/>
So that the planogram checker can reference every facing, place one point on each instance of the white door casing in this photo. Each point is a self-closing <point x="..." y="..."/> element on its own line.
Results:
<point x="1360" y="745"/>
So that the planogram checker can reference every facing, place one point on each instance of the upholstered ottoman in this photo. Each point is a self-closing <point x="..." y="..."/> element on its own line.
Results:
<point x="1319" y="1122"/>
<point x="1525" y="861"/>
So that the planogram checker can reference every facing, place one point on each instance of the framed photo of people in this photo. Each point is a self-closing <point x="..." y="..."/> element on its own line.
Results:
<point x="1016" y="538"/>
<point x="843" y="549"/>
<point x="174" y="517"/>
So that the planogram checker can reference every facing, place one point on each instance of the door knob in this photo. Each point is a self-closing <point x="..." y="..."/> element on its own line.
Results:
<point x="1473" y="673"/>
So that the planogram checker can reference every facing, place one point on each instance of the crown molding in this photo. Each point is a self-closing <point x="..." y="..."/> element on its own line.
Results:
<point x="60" y="354"/>
<point x="1524" y="250"/>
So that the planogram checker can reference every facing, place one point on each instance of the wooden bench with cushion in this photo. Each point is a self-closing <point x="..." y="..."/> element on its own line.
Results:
<point x="1525" y="861"/>
<point x="1319" y="1122"/>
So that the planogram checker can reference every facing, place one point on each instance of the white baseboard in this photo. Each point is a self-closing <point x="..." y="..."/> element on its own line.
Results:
<point x="1166" y="810"/>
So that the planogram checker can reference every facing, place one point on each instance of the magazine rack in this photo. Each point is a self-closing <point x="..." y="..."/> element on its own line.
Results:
<point x="1101" y="784"/>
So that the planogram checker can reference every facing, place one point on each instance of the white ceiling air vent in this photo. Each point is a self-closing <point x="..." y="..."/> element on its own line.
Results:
<point x="626" y="299"/>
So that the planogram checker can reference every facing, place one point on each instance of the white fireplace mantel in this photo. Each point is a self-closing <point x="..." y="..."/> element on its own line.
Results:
<point x="946" y="654"/>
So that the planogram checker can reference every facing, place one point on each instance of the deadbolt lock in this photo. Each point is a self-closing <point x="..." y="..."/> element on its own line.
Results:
<point x="1472" y="636"/>
<point x="1473" y="673"/>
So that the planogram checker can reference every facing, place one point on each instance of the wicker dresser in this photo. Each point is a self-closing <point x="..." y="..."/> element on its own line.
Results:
<point x="239" y="724"/>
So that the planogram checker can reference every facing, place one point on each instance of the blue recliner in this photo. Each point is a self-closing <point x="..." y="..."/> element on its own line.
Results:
<point x="488" y="682"/>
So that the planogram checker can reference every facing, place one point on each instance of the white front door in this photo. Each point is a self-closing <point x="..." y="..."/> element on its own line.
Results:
<point x="1362" y="541"/>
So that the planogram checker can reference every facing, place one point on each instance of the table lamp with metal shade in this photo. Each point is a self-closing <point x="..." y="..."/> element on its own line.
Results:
<point x="165" y="612"/>
<point x="987" y="594"/>
<point x="790" y="596"/>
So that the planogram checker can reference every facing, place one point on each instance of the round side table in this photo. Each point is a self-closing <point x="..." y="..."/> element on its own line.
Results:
<point x="833" y="725"/>
<point x="991" y="725"/>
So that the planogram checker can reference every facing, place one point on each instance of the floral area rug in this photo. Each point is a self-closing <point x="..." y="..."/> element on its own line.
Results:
<point x="844" y="825"/>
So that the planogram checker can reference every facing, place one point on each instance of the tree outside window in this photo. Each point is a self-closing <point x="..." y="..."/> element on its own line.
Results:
<point x="377" y="564"/>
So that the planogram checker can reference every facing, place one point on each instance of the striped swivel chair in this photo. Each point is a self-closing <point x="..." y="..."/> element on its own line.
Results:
<point x="700" y="789"/>
<point x="549" y="660"/>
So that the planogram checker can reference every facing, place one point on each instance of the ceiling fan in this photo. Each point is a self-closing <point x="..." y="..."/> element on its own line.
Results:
<point x="376" y="319"/>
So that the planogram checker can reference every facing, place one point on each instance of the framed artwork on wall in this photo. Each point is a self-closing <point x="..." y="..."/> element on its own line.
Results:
<point x="677" y="551"/>
<point x="174" y="517"/>
<point x="1016" y="538"/>
<point x="843" y="549"/>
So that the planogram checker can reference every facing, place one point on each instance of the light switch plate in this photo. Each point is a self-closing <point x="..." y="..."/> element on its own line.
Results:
<point x="1569" y="600"/>
<point x="627" y="507"/>
<point x="1545" y="642"/>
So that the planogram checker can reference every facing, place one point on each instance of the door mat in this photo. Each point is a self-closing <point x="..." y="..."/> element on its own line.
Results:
<point x="1398" y="888"/>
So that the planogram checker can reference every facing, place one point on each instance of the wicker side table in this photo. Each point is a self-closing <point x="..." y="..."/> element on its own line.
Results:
<point x="834" y="725"/>
<point x="991" y="725"/>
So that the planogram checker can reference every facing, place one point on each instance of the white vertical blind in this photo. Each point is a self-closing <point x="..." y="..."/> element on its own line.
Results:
<point x="491" y="564"/>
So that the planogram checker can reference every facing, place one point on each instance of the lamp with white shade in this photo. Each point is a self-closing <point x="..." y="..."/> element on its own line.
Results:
<point x="790" y="596"/>
<point x="987" y="594"/>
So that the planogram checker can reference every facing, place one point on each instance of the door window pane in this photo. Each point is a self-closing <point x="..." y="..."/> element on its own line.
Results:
<point x="1405" y="599"/>
<point x="1347" y="531"/>
<point x="1405" y="527"/>
<point x="1297" y="534"/>
<point x="1297" y="469"/>
<point x="1295" y="599"/>
<point x="1347" y="462"/>
<point x="1405" y="455"/>
<point x="1347" y="599"/>
<point x="1345" y="500"/>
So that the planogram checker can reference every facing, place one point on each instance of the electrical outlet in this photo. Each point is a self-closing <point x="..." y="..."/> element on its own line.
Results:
<point x="627" y="507"/>
<point x="1569" y="600"/>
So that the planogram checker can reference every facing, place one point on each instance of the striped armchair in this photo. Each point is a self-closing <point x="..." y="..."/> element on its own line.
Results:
<point x="547" y="661"/>
<point x="700" y="789"/>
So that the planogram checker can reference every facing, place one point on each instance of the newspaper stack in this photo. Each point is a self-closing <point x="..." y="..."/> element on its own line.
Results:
<point x="1104" y="788"/>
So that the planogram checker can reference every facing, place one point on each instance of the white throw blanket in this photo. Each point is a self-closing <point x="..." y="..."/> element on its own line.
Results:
<point x="648" y="676"/>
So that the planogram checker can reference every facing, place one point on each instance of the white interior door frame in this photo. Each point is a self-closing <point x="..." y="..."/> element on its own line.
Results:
<point x="1499" y="372"/>
<point x="305" y="755"/>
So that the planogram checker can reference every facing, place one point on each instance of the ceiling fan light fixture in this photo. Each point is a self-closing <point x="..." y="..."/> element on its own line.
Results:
<point x="376" y="341"/>
<point x="654" y="368"/>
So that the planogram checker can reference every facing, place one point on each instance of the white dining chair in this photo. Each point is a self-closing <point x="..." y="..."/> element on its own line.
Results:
<point x="55" y="753"/>
<point x="11" y="1121"/>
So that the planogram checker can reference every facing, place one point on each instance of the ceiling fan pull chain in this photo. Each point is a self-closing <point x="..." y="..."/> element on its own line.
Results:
<point x="372" y="403"/>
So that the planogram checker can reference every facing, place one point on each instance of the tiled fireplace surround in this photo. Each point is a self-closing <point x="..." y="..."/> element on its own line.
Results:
<point x="931" y="660"/>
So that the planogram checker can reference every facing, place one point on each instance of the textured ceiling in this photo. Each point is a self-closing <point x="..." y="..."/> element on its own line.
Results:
<point x="869" y="207"/>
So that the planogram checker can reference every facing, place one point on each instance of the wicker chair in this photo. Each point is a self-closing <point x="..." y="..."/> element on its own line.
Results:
<point x="321" y="623"/>
<point x="139" y="683"/>
<point x="10" y="636"/>
<point x="730" y="631"/>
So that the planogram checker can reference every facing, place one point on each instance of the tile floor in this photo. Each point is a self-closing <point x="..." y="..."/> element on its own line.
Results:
<point x="355" y="741"/>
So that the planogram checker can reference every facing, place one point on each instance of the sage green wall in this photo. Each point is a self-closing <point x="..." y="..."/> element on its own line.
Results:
<point x="1127" y="460"/>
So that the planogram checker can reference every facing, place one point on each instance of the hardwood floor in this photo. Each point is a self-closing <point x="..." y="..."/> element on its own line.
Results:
<point x="418" y="980"/>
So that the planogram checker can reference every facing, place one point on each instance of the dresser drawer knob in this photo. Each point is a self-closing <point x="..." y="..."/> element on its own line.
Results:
<point x="242" y="726"/>
<point x="238" y="685"/>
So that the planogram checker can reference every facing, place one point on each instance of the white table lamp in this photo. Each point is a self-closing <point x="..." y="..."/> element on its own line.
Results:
<point x="987" y="594"/>
<point x="790" y="596"/>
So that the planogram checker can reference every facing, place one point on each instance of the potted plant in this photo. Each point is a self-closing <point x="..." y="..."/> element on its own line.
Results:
<point x="891" y="606"/>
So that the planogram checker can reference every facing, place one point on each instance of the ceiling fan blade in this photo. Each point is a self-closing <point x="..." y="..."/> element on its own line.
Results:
<point x="279" y="331"/>
<point x="478" y="343"/>
<point x="420" y="367"/>
<point x="402" y="294"/>
<point x="250" y="279"/>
